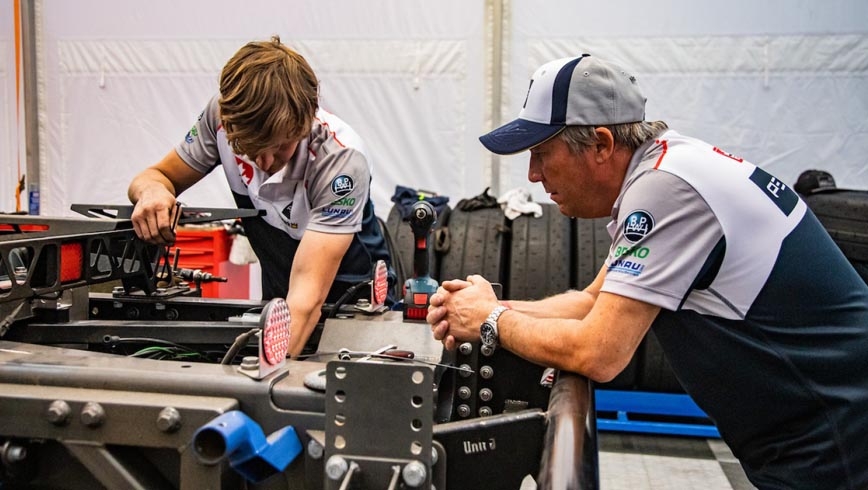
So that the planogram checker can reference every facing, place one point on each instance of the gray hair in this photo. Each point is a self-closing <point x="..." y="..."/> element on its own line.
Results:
<point x="628" y="135"/>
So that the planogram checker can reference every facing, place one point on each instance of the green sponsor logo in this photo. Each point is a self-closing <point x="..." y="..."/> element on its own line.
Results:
<point x="640" y="252"/>
<point x="345" y="201"/>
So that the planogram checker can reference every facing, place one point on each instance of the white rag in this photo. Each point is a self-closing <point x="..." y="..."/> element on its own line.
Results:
<point x="516" y="202"/>
<point x="241" y="252"/>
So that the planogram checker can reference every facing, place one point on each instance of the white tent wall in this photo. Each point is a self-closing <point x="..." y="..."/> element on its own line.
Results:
<point x="781" y="83"/>
<point x="9" y="164"/>
<point x="123" y="82"/>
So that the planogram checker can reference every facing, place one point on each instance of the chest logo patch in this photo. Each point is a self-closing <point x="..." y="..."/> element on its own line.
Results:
<point x="342" y="185"/>
<point x="638" y="224"/>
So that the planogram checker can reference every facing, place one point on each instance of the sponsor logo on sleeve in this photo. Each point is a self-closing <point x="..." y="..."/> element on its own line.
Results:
<point x="638" y="224"/>
<point x="191" y="135"/>
<point x="634" y="251"/>
<point x="626" y="266"/>
<point x="337" y="211"/>
<point x="780" y="194"/>
<point x="342" y="185"/>
<point x="345" y="201"/>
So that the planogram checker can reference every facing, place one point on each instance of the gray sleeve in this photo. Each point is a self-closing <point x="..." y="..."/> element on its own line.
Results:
<point x="339" y="192"/>
<point x="665" y="232"/>
<point x="198" y="149"/>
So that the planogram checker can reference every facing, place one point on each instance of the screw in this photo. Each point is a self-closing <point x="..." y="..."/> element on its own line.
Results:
<point x="434" y="456"/>
<point x="463" y="410"/>
<point x="58" y="412"/>
<point x="486" y="372"/>
<point x="464" y="370"/>
<point x="466" y="348"/>
<point x="92" y="415"/>
<point x="336" y="467"/>
<point x="14" y="454"/>
<point x="169" y="420"/>
<point x="172" y="314"/>
<point x="486" y="350"/>
<point x="485" y="394"/>
<point x="249" y="363"/>
<point x="314" y="449"/>
<point x="484" y="412"/>
<point x="363" y="303"/>
<point x="464" y="392"/>
<point x="414" y="473"/>
<point x="118" y="290"/>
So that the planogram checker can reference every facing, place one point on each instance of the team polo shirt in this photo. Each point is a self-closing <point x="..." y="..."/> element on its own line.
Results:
<point x="325" y="187"/>
<point x="763" y="320"/>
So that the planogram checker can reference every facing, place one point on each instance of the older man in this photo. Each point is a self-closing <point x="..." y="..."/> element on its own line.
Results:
<point x="763" y="320"/>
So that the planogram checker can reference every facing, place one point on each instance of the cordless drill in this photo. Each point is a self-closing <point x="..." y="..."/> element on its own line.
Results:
<point x="418" y="290"/>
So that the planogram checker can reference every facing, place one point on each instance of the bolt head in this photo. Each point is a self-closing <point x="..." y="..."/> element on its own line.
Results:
<point x="169" y="420"/>
<point x="250" y="363"/>
<point x="92" y="415"/>
<point x="58" y="412"/>
<point x="336" y="467"/>
<point x="314" y="449"/>
<point x="414" y="474"/>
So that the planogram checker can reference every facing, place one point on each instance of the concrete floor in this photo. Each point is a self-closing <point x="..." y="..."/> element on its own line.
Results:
<point x="652" y="462"/>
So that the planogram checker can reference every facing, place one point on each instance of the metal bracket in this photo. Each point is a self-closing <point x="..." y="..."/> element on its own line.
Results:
<point x="370" y="443"/>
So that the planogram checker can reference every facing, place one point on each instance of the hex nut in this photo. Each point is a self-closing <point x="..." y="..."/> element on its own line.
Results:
<point x="92" y="415"/>
<point x="169" y="420"/>
<point x="58" y="412"/>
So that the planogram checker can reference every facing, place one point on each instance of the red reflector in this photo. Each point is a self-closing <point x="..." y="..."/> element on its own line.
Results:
<point x="22" y="228"/>
<point x="275" y="331"/>
<point x="421" y="243"/>
<point x="420" y="299"/>
<point x="416" y="313"/>
<point x="381" y="283"/>
<point x="71" y="257"/>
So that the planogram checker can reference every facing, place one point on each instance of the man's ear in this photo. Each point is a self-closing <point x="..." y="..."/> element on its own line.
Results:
<point x="605" y="145"/>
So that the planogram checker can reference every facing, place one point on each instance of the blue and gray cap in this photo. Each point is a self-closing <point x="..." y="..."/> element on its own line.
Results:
<point x="583" y="91"/>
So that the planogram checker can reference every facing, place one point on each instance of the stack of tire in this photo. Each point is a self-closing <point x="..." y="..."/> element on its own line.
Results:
<point x="844" y="214"/>
<point x="531" y="258"/>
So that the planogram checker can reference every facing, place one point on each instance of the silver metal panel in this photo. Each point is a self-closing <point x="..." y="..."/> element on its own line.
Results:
<point x="368" y="334"/>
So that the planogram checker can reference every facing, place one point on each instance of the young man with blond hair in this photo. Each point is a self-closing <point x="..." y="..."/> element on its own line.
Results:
<point x="281" y="153"/>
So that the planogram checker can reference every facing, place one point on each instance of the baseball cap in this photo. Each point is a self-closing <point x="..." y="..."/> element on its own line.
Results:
<point x="583" y="91"/>
<point x="813" y="181"/>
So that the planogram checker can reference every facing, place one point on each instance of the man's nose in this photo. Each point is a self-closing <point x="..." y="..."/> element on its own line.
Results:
<point x="533" y="172"/>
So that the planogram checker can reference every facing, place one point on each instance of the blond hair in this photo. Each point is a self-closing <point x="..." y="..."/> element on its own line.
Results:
<point x="628" y="135"/>
<point x="268" y="94"/>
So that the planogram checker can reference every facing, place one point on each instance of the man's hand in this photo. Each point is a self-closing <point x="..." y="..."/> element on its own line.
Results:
<point x="458" y="308"/>
<point x="154" y="215"/>
<point x="153" y="192"/>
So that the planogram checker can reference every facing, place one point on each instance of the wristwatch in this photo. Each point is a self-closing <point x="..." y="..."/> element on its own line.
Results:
<point x="488" y="330"/>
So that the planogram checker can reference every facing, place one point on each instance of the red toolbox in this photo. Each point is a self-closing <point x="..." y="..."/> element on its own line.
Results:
<point x="207" y="249"/>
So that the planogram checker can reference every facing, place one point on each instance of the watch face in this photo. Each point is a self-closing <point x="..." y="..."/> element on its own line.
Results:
<point x="487" y="334"/>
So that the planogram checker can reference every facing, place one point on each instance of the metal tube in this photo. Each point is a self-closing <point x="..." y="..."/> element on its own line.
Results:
<point x="569" y="460"/>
